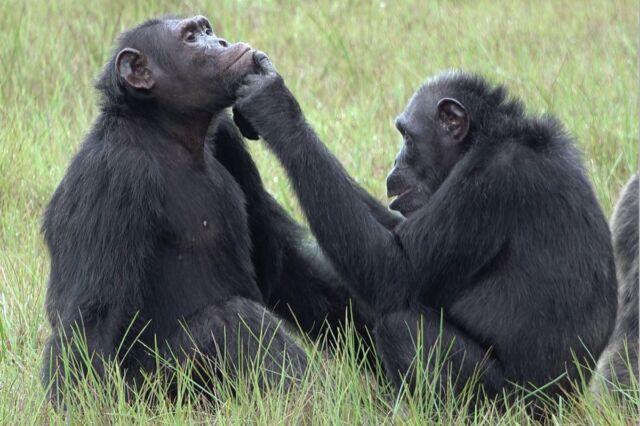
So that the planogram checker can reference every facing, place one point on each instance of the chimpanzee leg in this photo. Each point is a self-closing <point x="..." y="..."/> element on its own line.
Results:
<point x="443" y="345"/>
<point x="234" y="338"/>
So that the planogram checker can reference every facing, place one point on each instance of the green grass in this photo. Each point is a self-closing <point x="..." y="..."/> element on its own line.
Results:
<point x="353" y="65"/>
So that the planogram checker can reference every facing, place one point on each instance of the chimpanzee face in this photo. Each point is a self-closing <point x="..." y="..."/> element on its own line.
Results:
<point x="184" y="65"/>
<point x="432" y="129"/>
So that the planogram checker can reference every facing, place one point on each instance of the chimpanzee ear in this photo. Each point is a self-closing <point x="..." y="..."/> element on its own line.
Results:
<point x="133" y="67"/>
<point x="454" y="118"/>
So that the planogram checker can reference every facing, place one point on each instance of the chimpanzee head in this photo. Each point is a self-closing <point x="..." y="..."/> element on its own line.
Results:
<point x="446" y="117"/>
<point x="180" y="64"/>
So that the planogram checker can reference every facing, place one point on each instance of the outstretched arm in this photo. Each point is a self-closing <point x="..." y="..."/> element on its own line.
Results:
<point x="99" y="228"/>
<point x="342" y="220"/>
<point x="269" y="233"/>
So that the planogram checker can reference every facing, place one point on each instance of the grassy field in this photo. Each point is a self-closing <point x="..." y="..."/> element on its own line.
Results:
<point x="353" y="65"/>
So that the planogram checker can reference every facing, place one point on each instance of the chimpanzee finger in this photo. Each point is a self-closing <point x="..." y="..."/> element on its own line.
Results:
<point x="252" y="79"/>
<point x="263" y="63"/>
<point x="248" y="86"/>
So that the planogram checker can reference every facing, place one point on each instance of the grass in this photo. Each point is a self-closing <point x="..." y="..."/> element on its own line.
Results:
<point x="353" y="65"/>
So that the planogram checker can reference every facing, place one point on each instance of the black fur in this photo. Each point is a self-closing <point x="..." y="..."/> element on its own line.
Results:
<point x="152" y="223"/>
<point x="622" y="351"/>
<point x="509" y="244"/>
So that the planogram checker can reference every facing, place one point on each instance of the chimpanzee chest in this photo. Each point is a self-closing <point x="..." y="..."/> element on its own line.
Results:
<point x="206" y="249"/>
<point x="205" y="208"/>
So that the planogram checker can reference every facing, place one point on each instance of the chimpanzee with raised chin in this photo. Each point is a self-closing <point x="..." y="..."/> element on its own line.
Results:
<point x="503" y="252"/>
<point x="161" y="234"/>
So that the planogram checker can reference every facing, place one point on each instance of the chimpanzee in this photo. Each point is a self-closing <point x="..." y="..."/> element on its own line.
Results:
<point x="161" y="234"/>
<point x="619" y="363"/>
<point x="503" y="255"/>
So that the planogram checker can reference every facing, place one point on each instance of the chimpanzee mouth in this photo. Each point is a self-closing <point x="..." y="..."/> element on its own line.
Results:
<point x="397" y="198"/>
<point x="399" y="194"/>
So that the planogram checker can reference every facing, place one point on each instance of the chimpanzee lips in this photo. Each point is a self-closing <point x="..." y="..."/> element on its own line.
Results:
<point x="398" y="192"/>
<point x="244" y="52"/>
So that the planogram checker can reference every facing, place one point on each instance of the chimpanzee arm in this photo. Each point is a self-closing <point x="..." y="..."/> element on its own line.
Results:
<point x="463" y="227"/>
<point x="297" y="281"/>
<point x="359" y="245"/>
<point x="100" y="227"/>
<point x="269" y="233"/>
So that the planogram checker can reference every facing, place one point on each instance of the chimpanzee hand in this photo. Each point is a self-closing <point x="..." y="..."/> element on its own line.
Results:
<point x="264" y="106"/>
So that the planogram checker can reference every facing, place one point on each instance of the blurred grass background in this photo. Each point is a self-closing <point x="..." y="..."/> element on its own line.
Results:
<point x="353" y="65"/>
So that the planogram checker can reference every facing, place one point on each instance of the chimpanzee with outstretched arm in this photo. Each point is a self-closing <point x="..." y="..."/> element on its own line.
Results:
<point x="503" y="252"/>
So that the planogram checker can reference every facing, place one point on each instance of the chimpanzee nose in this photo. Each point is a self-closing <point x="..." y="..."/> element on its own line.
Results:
<point x="222" y="42"/>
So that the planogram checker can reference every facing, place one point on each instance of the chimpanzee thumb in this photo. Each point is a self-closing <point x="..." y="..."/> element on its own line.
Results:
<point x="263" y="63"/>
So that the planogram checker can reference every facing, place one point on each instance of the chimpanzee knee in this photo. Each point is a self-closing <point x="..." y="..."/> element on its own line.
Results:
<point x="424" y="347"/>
<point x="238" y="338"/>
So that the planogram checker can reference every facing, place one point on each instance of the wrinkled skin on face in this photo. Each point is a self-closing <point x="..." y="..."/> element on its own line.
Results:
<point x="184" y="64"/>
<point x="433" y="129"/>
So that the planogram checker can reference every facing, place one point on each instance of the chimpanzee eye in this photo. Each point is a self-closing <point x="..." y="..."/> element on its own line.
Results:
<point x="190" y="37"/>
<point x="208" y="31"/>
